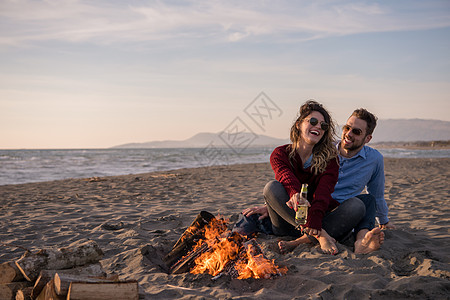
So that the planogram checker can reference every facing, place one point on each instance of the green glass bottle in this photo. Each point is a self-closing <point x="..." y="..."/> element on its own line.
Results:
<point x="302" y="209"/>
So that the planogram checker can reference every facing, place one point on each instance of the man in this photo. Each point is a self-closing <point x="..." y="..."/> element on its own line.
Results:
<point x="362" y="167"/>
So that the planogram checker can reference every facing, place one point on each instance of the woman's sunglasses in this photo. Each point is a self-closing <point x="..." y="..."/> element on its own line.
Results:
<point x="313" y="121"/>
<point x="355" y="131"/>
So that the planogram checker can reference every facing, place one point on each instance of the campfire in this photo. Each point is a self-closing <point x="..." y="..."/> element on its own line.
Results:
<point x="207" y="246"/>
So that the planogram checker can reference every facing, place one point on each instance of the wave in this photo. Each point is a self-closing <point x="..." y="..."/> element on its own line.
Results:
<point x="25" y="166"/>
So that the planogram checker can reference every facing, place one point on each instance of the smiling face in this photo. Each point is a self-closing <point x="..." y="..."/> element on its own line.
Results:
<point x="354" y="136"/>
<point x="311" y="134"/>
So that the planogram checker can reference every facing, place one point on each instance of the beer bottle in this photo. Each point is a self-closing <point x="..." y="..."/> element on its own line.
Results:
<point x="302" y="209"/>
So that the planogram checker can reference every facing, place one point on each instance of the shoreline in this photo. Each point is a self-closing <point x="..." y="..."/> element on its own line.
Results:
<point x="153" y="210"/>
<point x="417" y="145"/>
<point x="94" y="178"/>
<point x="27" y="167"/>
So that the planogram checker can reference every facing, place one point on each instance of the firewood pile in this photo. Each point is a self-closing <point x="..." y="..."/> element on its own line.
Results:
<point x="65" y="273"/>
<point x="207" y="246"/>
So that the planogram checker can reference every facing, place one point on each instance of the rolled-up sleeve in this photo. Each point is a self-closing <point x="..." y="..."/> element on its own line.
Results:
<point x="375" y="187"/>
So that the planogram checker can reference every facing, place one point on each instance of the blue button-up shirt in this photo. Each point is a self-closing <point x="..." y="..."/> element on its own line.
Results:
<point x="364" y="170"/>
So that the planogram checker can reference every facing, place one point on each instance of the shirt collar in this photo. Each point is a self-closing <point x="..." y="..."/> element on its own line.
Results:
<point x="362" y="152"/>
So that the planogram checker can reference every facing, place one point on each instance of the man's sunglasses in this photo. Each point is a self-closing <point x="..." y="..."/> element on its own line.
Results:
<point x="355" y="131"/>
<point x="313" y="121"/>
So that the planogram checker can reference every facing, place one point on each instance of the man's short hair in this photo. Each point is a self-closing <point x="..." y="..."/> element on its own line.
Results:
<point x="370" y="119"/>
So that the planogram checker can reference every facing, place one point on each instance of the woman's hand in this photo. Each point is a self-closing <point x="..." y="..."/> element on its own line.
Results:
<point x="297" y="200"/>
<point x="262" y="210"/>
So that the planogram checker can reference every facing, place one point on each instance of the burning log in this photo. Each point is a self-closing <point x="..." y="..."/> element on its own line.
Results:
<point x="256" y="265"/>
<point x="210" y="230"/>
<point x="221" y="252"/>
<point x="231" y="269"/>
<point x="189" y="238"/>
<point x="185" y="264"/>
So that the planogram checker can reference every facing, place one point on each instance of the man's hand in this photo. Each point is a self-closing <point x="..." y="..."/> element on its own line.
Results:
<point x="262" y="210"/>
<point x="388" y="225"/>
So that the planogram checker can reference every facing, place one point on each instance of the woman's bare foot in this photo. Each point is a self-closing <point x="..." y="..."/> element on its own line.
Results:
<point x="369" y="241"/>
<point x="287" y="246"/>
<point x="327" y="243"/>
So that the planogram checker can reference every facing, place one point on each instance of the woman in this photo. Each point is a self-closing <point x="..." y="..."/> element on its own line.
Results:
<point x="311" y="158"/>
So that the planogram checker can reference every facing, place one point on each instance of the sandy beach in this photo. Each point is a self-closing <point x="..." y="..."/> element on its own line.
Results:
<point x="136" y="219"/>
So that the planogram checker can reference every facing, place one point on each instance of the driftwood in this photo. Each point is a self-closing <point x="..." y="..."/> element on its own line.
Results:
<point x="63" y="281"/>
<point x="24" y="294"/>
<point x="46" y="275"/>
<point x="103" y="291"/>
<point x="189" y="238"/>
<point x="56" y="259"/>
<point x="10" y="273"/>
<point x="49" y="293"/>
<point x="8" y="290"/>
<point x="66" y="273"/>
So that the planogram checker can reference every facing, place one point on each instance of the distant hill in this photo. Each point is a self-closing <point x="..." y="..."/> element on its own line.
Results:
<point x="204" y="139"/>
<point x="408" y="130"/>
<point x="390" y="130"/>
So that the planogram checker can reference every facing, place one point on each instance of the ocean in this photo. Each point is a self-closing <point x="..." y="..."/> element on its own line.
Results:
<point x="25" y="166"/>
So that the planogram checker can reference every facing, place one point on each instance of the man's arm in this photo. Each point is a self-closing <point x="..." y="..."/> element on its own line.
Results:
<point x="375" y="187"/>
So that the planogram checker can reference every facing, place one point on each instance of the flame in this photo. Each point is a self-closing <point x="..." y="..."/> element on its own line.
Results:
<point x="225" y="248"/>
<point x="212" y="231"/>
<point x="214" y="262"/>
<point x="215" y="228"/>
<point x="258" y="266"/>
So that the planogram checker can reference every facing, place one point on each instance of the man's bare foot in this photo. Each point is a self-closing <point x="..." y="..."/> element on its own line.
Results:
<point x="369" y="241"/>
<point x="287" y="246"/>
<point x="327" y="243"/>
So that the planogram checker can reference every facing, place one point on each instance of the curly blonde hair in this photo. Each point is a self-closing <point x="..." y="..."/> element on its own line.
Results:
<point x="324" y="150"/>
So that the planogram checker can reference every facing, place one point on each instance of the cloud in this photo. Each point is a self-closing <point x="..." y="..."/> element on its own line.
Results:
<point x="106" y="22"/>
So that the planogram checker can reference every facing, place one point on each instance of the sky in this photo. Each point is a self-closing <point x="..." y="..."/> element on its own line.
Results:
<point x="95" y="74"/>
